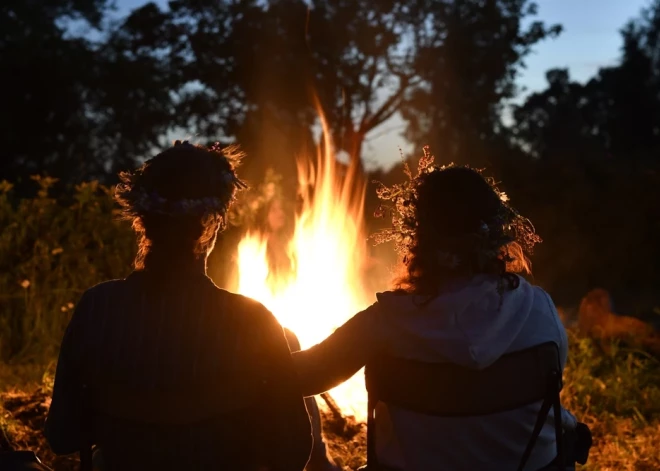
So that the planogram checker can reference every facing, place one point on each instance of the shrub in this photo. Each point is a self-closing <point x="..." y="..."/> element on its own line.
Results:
<point x="609" y="379"/>
<point x="616" y="391"/>
<point x="51" y="250"/>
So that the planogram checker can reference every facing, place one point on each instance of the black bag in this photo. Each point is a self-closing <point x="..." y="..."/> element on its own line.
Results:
<point x="578" y="442"/>
<point x="21" y="461"/>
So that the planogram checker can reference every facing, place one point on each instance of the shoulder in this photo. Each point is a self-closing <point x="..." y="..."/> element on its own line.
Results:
<point x="246" y="305"/>
<point x="99" y="294"/>
<point x="247" y="310"/>
<point x="543" y="301"/>
<point x="539" y="298"/>
<point x="266" y="333"/>
<point x="544" y="307"/>
<point x="385" y="298"/>
<point x="103" y="289"/>
<point x="393" y="292"/>
<point x="89" y="303"/>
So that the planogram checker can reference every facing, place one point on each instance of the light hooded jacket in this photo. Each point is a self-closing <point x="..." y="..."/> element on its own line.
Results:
<point x="470" y="325"/>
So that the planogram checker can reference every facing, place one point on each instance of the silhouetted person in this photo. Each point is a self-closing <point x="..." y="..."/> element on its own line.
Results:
<point x="167" y="328"/>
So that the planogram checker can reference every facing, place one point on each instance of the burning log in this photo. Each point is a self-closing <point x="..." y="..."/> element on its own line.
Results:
<point x="334" y="408"/>
<point x="338" y="424"/>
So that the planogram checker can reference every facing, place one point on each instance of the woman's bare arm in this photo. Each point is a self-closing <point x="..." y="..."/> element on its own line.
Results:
<point x="341" y="355"/>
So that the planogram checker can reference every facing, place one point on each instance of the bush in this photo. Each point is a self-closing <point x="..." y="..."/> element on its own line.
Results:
<point x="51" y="250"/>
<point x="616" y="391"/>
<point x="608" y="379"/>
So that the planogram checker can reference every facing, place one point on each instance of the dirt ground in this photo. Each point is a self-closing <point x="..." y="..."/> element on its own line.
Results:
<point x="22" y="422"/>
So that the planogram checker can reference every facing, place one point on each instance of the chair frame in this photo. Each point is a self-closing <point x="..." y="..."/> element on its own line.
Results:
<point x="515" y="380"/>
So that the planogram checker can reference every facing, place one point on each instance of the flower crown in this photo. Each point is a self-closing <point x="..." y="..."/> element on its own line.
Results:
<point x="145" y="201"/>
<point x="486" y="243"/>
<point x="154" y="203"/>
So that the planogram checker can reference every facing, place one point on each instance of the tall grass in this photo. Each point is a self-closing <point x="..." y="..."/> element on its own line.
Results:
<point x="612" y="380"/>
<point x="51" y="250"/>
<point x="616" y="391"/>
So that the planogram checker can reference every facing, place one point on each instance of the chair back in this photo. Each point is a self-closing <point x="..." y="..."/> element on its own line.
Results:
<point x="192" y="405"/>
<point x="447" y="390"/>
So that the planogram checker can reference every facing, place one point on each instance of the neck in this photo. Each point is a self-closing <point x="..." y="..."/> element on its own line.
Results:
<point x="169" y="263"/>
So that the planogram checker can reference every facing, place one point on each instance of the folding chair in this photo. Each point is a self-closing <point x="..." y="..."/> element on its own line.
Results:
<point x="165" y="407"/>
<point x="447" y="390"/>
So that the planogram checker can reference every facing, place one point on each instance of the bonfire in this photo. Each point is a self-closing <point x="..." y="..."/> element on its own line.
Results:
<point x="328" y="246"/>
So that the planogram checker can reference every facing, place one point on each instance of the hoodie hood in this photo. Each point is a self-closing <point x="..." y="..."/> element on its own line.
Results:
<point x="470" y="325"/>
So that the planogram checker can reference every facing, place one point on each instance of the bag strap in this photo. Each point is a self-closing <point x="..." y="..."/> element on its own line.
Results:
<point x="551" y="400"/>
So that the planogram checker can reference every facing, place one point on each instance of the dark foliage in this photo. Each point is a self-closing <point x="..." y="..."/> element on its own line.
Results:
<point x="85" y="95"/>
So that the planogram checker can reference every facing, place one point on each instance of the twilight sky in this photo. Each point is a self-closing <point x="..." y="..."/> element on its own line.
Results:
<point x="590" y="40"/>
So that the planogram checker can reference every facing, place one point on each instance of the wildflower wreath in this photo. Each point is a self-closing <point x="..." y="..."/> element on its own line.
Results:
<point x="489" y="242"/>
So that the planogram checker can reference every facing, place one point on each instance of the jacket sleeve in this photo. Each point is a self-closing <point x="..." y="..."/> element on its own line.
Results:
<point x="341" y="355"/>
<point x="64" y="420"/>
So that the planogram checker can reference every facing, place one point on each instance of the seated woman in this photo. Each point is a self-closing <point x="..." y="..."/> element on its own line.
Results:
<point x="458" y="301"/>
<point x="168" y="331"/>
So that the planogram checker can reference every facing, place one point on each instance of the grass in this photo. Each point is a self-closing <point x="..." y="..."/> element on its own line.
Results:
<point x="51" y="250"/>
<point x="614" y="389"/>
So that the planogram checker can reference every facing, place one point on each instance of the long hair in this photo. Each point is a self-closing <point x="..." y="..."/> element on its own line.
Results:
<point x="178" y="201"/>
<point x="453" y="223"/>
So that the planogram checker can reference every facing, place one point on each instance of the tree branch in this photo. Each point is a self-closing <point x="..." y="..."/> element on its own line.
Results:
<point x="371" y="77"/>
<point x="391" y="105"/>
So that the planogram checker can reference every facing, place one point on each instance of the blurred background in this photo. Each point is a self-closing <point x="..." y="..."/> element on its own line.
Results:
<point x="559" y="99"/>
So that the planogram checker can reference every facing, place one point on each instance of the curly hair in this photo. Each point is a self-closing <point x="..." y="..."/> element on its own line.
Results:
<point x="178" y="201"/>
<point x="452" y="222"/>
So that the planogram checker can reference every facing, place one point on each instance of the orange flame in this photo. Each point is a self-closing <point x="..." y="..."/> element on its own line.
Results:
<point x="329" y="247"/>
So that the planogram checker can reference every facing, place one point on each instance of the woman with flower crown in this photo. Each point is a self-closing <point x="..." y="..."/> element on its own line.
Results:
<point x="461" y="299"/>
<point x="206" y="375"/>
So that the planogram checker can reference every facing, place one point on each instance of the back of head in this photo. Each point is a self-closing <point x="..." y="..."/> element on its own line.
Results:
<point x="454" y="202"/>
<point x="178" y="200"/>
<point x="453" y="223"/>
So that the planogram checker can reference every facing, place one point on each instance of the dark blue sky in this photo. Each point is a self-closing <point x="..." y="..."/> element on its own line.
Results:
<point x="590" y="40"/>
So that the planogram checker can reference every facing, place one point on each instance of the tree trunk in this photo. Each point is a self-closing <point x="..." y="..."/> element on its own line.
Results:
<point x="353" y="142"/>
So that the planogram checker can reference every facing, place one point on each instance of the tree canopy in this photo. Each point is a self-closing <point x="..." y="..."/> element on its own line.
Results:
<point x="87" y="93"/>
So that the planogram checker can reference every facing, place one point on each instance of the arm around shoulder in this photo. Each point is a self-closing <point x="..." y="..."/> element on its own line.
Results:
<point x="342" y="354"/>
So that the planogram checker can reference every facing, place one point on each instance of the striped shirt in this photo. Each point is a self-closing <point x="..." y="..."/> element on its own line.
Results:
<point x="177" y="332"/>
